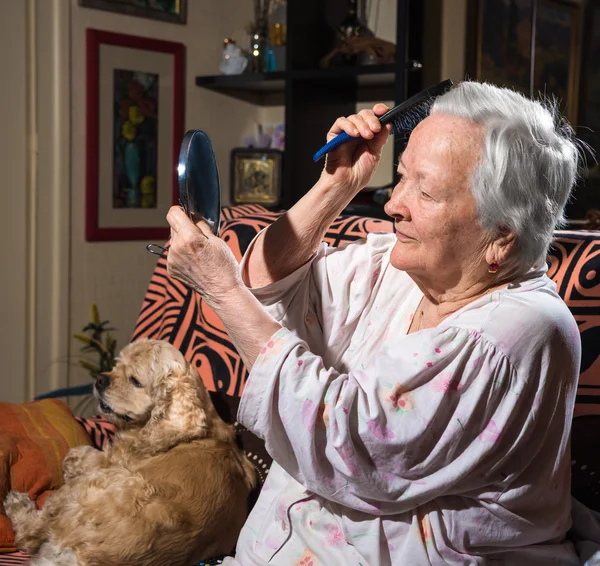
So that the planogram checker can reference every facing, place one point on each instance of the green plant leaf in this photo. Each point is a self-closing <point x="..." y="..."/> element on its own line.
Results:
<point x="97" y="340"/>
<point x="83" y="338"/>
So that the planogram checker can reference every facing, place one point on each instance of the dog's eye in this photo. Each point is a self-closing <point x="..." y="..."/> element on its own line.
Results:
<point x="135" y="382"/>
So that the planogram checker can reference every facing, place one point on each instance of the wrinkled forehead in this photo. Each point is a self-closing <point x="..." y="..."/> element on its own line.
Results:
<point x="444" y="145"/>
<point x="448" y="132"/>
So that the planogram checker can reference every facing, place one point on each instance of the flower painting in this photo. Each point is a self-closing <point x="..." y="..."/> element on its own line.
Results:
<point x="134" y="128"/>
<point x="135" y="139"/>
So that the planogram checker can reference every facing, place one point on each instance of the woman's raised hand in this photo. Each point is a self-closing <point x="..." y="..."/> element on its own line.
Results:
<point x="351" y="166"/>
<point x="201" y="260"/>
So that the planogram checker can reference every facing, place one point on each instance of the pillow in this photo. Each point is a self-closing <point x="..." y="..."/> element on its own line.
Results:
<point x="34" y="439"/>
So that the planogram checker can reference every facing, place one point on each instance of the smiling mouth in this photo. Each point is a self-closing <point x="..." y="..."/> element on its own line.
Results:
<point x="402" y="236"/>
<point x="108" y="410"/>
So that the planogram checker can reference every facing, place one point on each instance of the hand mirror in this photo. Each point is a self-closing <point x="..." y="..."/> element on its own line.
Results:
<point x="199" y="187"/>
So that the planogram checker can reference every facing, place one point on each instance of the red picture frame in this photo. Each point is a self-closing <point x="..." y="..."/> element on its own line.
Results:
<point x="96" y="191"/>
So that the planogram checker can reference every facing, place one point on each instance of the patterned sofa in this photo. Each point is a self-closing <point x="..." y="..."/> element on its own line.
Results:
<point x="172" y="312"/>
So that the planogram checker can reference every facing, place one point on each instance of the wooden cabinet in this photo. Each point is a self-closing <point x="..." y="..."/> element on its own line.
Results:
<point x="313" y="97"/>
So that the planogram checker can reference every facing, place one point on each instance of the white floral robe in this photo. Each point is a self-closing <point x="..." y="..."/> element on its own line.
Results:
<point x="445" y="446"/>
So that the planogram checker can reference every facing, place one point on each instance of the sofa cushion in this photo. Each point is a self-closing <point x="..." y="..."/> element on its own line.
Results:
<point x="34" y="439"/>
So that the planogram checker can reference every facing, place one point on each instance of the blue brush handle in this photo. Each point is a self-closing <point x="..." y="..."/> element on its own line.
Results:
<point x="335" y="142"/>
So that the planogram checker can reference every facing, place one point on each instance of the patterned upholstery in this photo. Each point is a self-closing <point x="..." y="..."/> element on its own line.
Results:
<point x="99" y="430"/>
<point x="574" y="264"/>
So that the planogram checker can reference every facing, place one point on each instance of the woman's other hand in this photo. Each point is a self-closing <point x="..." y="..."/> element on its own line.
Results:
<point x="351" y="166"/>
<point x="201" y="260"/>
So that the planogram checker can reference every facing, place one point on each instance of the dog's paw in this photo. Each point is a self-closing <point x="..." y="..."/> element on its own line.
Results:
<point x="17" y="501"/>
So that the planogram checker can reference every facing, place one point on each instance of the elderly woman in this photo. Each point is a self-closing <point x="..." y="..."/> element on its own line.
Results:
<point x="415" y="389"/>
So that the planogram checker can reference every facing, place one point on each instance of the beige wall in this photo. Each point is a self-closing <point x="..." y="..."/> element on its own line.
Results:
<point x="444" y="41"/>
<point x="64" y="274"/>
<point x="13" y="212"/>
<point x="115" y="275"/>
<point x="454" y="35"/>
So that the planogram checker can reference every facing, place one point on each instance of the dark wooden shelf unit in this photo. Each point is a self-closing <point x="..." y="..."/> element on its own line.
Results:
<point x="314" y="97"/>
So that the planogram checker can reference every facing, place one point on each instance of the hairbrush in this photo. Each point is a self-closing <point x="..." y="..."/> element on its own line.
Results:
<point x="403" y="117"/>
<point x="199" y="187"/>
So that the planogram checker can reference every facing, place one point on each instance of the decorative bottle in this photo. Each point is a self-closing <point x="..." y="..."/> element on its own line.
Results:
<point x="278" y="33"/>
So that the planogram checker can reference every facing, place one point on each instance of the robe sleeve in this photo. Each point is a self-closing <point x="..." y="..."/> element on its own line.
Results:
<point x="322" y="301"/>
<point x="426" y="419"/>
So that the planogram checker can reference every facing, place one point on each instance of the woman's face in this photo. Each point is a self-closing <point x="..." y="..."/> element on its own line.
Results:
<point x="434" y="212"/>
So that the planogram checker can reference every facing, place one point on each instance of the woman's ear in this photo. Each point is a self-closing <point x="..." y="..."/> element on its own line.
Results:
<point x="500" y="247"/>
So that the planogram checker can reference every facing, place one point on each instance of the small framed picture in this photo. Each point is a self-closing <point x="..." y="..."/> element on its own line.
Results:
<point x="134" y="126"/>
<point x="174" y="11"/>
<point x="256" y="176"/>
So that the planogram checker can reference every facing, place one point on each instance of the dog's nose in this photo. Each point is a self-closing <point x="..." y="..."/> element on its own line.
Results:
<point x="102" y="382"/>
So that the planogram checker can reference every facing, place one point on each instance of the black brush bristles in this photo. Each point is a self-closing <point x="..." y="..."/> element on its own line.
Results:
<point x="408" y="114"/>
<point x="404" y="117"/>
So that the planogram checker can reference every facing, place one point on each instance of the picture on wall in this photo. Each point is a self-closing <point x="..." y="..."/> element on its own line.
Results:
<point x="586" y="204"/>
<point x="547" y="49"/>
<point x="165" y="10"/>
<point x="134" y="127"/>
<point x="557" y="49"/>
<point x="502" y="51"/>
<point x="256" y="176"/>
<point x="135" y="139"/>
<point x="504" y="43"/>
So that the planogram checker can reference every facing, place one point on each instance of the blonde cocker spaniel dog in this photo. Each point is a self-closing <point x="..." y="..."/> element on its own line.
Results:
<point x="172" y="488"/>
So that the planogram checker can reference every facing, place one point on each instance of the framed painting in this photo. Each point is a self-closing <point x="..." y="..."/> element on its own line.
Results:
<point x="134" y="126"/>
<point x="501" y="50"/>
<point x="557" y="53"/>
<point x="532" y="46"/>
<point x="586" y="202"/>
<point x="256" y="176"/>
<point x="165" y="10"/>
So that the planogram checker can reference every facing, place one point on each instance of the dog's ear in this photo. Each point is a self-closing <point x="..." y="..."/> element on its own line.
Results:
<point x="186" y="412"/>
<point x="179" y="413"/>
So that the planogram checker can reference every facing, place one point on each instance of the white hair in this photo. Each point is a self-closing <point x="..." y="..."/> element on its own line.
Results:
<point x="528" y="166"/>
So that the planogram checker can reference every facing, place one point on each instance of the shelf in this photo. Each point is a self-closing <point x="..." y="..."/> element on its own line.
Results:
<point x="258" y="88"/>
<point x="374" y="82"/>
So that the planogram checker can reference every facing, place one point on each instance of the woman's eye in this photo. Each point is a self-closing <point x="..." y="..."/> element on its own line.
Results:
<point x="135" y="382"/>
<point x="425" y="195"/>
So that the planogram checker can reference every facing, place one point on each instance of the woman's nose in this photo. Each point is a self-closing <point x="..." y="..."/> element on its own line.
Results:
<point x="396" y="207"/>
